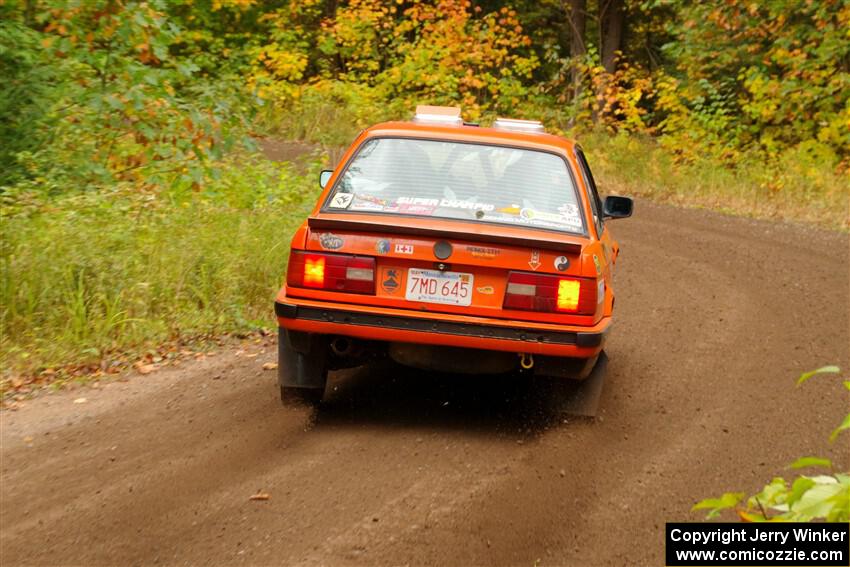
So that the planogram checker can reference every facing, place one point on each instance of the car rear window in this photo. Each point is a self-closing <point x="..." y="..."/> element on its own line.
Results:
<point x="455" y="180"/>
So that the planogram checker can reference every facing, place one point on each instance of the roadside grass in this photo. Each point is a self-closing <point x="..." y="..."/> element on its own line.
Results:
<point x="329" y="114"/>
<point x="102" y="277"/>
<point x="796" y="188"/>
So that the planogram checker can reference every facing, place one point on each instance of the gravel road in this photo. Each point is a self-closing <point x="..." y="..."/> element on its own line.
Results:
<point x="716" y="316"/>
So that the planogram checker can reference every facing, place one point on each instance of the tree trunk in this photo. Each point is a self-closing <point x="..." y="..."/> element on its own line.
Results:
<point x="29" y="13"/>
<point x="576" y="19"/>
<point x="612" y="21"/>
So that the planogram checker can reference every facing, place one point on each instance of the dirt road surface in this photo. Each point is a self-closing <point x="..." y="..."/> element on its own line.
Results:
<point x="716" y="316"/>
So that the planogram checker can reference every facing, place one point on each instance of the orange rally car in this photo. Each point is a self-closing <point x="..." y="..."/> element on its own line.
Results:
<point x="451" y="247"/>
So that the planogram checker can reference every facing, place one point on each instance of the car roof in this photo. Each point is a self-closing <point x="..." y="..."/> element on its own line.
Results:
<point x="472" y="133"/>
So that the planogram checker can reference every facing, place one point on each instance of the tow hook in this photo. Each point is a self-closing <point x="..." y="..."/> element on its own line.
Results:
<point x="526" y="360"/>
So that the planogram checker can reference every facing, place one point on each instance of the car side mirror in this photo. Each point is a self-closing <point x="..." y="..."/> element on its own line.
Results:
<point x="616" y="207"/>
<point x="324" y="177"/>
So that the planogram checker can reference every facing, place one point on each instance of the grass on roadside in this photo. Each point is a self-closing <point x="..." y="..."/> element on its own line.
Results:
<point x="91" y="277"/>
<point x="797" y="188"/>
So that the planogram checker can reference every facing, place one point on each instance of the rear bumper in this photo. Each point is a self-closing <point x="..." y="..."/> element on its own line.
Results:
<point x="468" y="332"/>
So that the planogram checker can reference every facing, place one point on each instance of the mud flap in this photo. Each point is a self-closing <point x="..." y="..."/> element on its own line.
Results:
<point x="581" y="397"/>
<point x="303" y="368"/>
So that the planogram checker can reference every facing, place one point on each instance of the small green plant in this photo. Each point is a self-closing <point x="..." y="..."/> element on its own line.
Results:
<point x="806" y="498"/>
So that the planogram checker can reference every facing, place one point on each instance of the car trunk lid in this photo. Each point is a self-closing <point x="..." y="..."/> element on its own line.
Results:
<point x="443" y="268"/>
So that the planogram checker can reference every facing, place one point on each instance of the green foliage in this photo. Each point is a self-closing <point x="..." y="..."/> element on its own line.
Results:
<point x="735" y="84"/>
<point x="154" y="92"/>
<point x="765" y="75"/>
<point x="806" y="498"/>
<point x="86" y="277"/>
<point x="446" y="52"/>
<point x="822" y="370"/>
<point x="717" y="505"/>
<point x="219" y="36"/>
<point x="26" y="93"/>
<point x="96" y="97"/>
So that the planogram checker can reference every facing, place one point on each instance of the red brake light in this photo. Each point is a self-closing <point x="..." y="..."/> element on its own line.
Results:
<point x="540" y="292"/>
<point x="332" y="272"/>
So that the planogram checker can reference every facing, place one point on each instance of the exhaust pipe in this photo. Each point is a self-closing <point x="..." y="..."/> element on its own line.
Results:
<point x="342" y="346"/>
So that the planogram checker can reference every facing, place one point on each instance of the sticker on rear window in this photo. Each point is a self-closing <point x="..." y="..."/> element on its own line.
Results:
<point x="341" y="200"/>
<point x="427" y="206"/>
<point x="470" y="205"/>
<point x="369" y="203"/>
<point x="417" y="201"/>
<point x="542" y="218"/>
<point x="424" y="210"/>
<point x="569" y="210"/>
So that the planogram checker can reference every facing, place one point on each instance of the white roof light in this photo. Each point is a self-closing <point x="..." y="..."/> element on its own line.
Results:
<point x="527" y="126"/>
<point x="449" y="115"/>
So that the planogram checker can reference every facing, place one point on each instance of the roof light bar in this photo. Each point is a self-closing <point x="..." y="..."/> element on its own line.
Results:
<point x="517" y="125"/>
<point x="449" y="115"/>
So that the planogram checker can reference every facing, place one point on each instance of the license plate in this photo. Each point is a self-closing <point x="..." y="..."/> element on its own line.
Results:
<point x="432" y="286"/>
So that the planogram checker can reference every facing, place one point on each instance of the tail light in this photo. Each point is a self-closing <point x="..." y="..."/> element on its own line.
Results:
<point x="539" y="292"/>
<point x="332" y="272"/>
